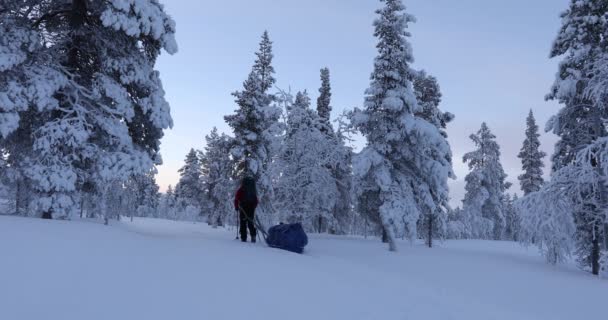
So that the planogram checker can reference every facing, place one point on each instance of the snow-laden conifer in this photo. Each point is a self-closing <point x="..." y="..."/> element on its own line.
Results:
<point x="531" y="158"/>
<point x="403" y="170"/>
<point x="256" y="126"/>
<point x="79" y="90"/>
<point x="306" y="189"/>
<point x="580" y="123"/>
<point x="189" y="188"/>
<point x="483" y="206"/>
<point x="324" y="99"/>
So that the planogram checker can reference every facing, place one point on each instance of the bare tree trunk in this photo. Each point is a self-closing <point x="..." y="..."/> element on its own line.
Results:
<point x="17" y="200"/>
<point x="595" y="251"/>
<point x="430" y="235"/>
<point x="103" y="204"/>
<point x="353" y="224"/>
<point x="82" y="195"/>
<point x="606" y="236"/>
<point x="320" y="221"/>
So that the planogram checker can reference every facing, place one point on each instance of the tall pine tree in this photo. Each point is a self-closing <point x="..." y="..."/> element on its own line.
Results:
<point x="483" y="205"/>
<point x="324" y="99"/>
<point x="403" y="171"/>
<point x="306" y="189"/>
<point x="189" y="188"/>
<point x="432" y="224"/>
<point x="263" y="64"/>
<point x="531" y="158"/>
<point x="256" y="127"/>
<point x="340" y="161"/>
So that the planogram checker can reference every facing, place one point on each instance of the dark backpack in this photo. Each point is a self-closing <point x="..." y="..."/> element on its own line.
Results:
<point x="249" y="194"/>
<point x="290" y="237"/>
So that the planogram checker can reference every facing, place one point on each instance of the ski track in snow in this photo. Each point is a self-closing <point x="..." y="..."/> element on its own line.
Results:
<point x="158" y="269"/>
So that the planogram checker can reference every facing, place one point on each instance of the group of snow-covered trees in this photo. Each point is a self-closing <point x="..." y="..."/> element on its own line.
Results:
<point x="567" y="214"/>
<point x="82" y="109"/>
<point x="488" y="210"/>
<point x="305" y="170"/>
<point x="300" y="162"/>
<point x="82" y="112"/>
<point x="401" y="174"/>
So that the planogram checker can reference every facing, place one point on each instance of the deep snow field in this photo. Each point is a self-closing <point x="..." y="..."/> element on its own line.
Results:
<point x="157" y="269"/>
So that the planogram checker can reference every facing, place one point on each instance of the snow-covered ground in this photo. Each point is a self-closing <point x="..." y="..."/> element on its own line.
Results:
<point x="156" y="269"/>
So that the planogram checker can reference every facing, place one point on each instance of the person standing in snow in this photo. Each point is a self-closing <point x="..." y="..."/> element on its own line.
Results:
<point x="245" y="202"/>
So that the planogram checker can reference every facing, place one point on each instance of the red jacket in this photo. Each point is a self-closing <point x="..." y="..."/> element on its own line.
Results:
<point x="239" y="197"/>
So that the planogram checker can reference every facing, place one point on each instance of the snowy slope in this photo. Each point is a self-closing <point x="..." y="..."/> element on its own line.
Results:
<point x="156" y="269"/>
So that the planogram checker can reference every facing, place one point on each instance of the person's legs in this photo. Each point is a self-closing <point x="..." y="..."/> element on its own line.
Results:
<point x="251" y="225"/>
<point x="243" y="226"/>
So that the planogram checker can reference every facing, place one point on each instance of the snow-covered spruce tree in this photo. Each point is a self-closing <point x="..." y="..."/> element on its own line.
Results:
<point x="263" y="64"/>
<point x="19" y="43"/>
<point x="256" y="127"/>
<point x="189" y="189"/>
<point x="403" y="170"/>
<point x="580" y="88"/>
<point x="428" y="94"/>
<point x="217" y="178"/>
<point x="306" y="189"/>
<point x="485" y="187"/>
<point x="22" y="83"/>
<point x="582" y="44"/>
<point x="83" y="79"/>
<point x="324" y="99"/>
<point x="531" y="158"/>
<point x="340" y="161"/>
<point x="547" y="214"/>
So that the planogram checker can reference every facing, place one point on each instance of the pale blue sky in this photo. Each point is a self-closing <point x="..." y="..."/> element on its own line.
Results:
<point x="490" y="57"/>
